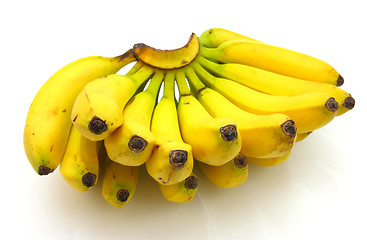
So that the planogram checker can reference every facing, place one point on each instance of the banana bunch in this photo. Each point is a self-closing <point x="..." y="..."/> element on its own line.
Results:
<point x="240" y="100"/>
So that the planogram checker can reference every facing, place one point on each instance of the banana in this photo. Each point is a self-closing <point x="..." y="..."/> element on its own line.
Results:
<point x="119" y="183"/>
<point x="302" y="136"/>
<point x="180" y="192"/>
<point x="80" y="163"/>
<point x="48" y="122"/>
<point x="269" y="135"/>
<point x="277" y="84"/>
<point x="228" y="175"/>
<point x="168" y="59"/>
<point x="171" y="161"/>
<point x="274" y="59"/>
<point x="132" y="143"/>
<point x="97" y="111"/>
<point x="269" y="162"/>
<point x="214" y="37"/>
<point x="309" y="111"/>
<point x="214" y="141"/>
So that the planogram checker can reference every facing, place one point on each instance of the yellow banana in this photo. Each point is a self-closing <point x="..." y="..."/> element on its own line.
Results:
<point x="309" y="111"/>
<point x="214" y="37"/>
<point x="132" y="143"/>
<point x="274" y="59"/>
<point x="302" y="136"/>
<point x="168" y="59"/>
<point x="171" y="160"/>
<point x="228" y="175"/>
<point x="180" y="192"/>
<point x="48" y="122"/>
<point x="214" y="141"/>
<point x="97" y="111"/>
<point x="269" y="135"/>
<point x="269" y="162"/>
<point x="119" y="183"/>
<point x="277" y="84"/>
<point x="80" y="163"/>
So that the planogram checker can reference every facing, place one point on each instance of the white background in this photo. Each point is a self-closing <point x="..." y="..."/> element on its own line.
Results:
<point x="319" y="193"/>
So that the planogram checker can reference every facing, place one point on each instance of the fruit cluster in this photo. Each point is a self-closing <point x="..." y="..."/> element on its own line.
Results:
<point x="239" y="100"/>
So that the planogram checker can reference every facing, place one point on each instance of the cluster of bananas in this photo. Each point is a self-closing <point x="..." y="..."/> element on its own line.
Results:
<point x="239" y="100"/>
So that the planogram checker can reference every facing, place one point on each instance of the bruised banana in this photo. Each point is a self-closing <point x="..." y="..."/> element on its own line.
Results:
<point x="80" y="164"/>
<point x="214" y="37"/>
<point x="119" y="183"/>
<point x="97" y="111"/>
<point x="171" y="160"/>
<point x="269" y="162"/>
<point x="133" y="142"/>
<point x="269" y="135"/>
<point x="48" y="122"/>
<point x="214" y="141"/>
<point x="180" y="192"/>
<point x="274" y="59"/>
<point x="228" y="175"/>
<point x="309" y="111"/>
<point x="277" y="84"/>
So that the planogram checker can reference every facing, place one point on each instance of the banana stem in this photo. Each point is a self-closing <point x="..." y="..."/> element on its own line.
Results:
<point x="135" y="68"/>
<point x="196" y="84"/>
<point x="155" y="84"/>
<point x="182" y="84"/>
<point x="169" y="85"/>
<point x="142" y="75"/>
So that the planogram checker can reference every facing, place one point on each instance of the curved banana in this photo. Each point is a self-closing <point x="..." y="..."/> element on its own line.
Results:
<point x="214" y="37"/>
<point x="168" y="59"/>
<point x="132" y="143"/>
<point x="80" y="163"/>
<point x="274" y="59"/>
<point x="171" y="160"/>
<point x="97" y="111"/>
<point x="228" y="175"/>
<point x="277" y="84"/>
<point x="309" y="111"/>
<point x="48" y="122"/>
<point x="269" y="135"/>
<point x="180" y="192"/>
<point x="214" y="141"/>
<point x="269" y="162"/>
<point x="119" y="183"/>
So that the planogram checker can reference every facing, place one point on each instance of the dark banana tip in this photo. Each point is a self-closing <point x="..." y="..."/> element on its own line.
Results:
<point x="122" y="195"/>
<point x="191" y="182"/>
<point x="97" y="125"/>
<point x="137" y="144"/>
<point x="178" y="158"/>
<point x="332" y="105"/>
<point x="229" y="133"/>
<point x="349" y="103"/>
<point x="289" y="128"/>
<point x="43" y="170"/>
<point x="240" y="161"/>
<point x="339" y="81"/>
<point x="89" y="179"/>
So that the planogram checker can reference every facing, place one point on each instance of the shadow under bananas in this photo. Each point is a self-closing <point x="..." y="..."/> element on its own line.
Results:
<point x="271" y="198"/>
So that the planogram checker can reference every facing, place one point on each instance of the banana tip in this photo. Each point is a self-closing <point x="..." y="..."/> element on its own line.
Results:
<point x="289" y="128"/>
<point x="178" y="158"/>
<point x="122" y="195"/>
<point x="97" y="126"/>
<point x="240" y="161"/>
<point x="349" y="102"/>
<point x="137" y="144"/>
<point x="89" y="179"/>
<point x="332" y="105"/>
<point x="229" y="133"/>
<point x="43" y="170"/>
<point x="191" y="182"/>
<point x="339" y="81"/>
